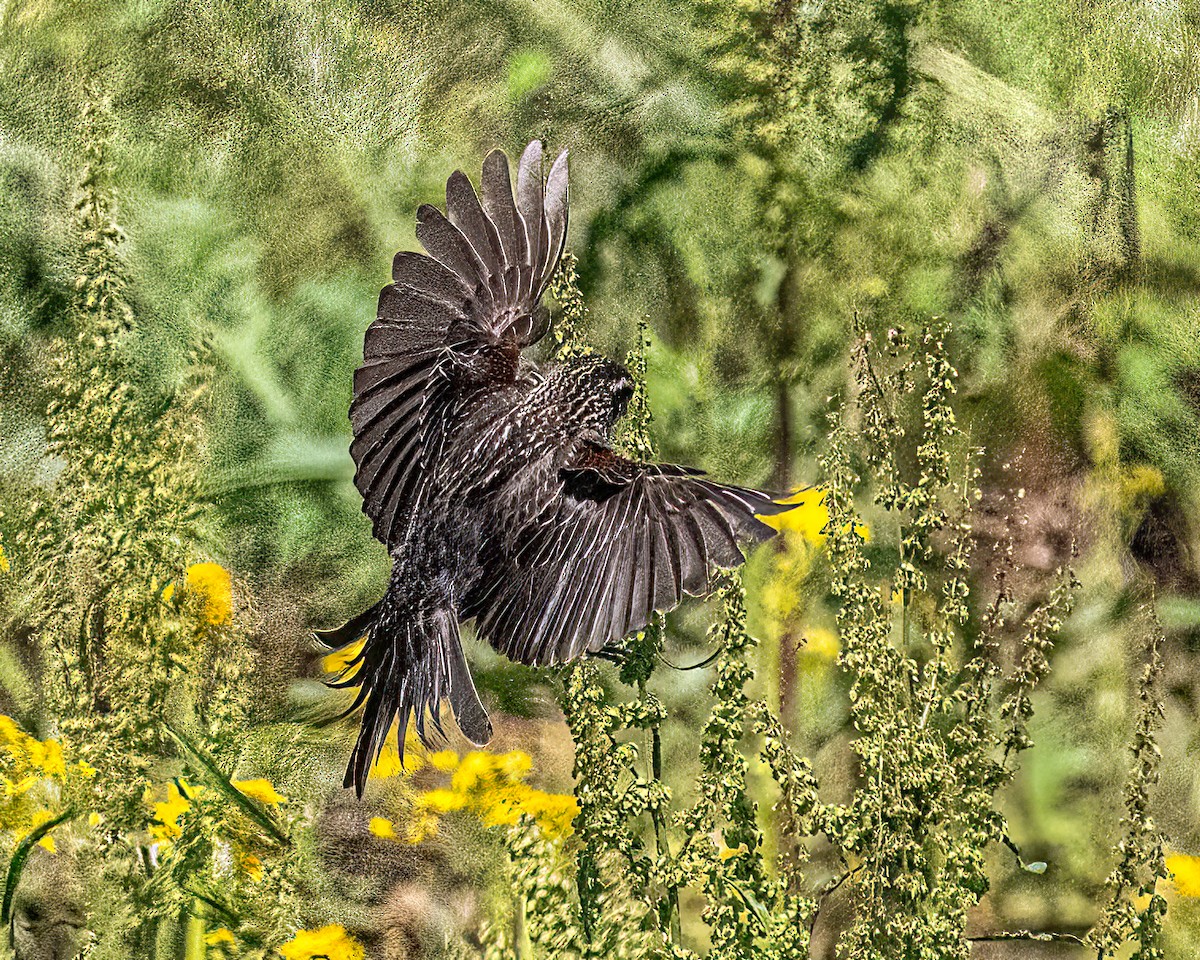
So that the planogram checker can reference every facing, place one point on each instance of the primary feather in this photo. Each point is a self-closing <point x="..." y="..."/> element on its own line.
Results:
<point x="493" y="481"/>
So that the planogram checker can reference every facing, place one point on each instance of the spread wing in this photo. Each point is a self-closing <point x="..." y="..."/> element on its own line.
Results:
<point x="611" y="542"/>
<point x="452" y="324"/>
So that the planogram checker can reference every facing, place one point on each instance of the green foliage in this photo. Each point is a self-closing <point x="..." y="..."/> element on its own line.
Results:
<point x="140" y="652"/>
<point x="746" y="176"/>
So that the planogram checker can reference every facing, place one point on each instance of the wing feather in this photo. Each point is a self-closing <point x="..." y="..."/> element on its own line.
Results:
<point x="614" y="542"/>
<point x="451" y="326"/>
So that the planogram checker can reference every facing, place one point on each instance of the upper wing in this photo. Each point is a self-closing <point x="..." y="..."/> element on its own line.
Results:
<point x="613" y="542"/>
<point x="453" y="323"/>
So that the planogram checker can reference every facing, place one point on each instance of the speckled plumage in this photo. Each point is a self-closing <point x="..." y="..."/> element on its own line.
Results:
<point x="492" y="480"/>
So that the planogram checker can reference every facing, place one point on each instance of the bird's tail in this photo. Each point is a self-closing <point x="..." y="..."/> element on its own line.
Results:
<point x="411" y="660"/>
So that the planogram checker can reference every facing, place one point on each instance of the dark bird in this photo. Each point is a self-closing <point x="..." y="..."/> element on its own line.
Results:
<point x="492" y="479"/>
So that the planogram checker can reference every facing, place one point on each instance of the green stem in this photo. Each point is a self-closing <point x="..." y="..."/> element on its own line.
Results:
<point x="194" y="945"/>
<point x="17" y="864"/>
<point x="251" y="808"/>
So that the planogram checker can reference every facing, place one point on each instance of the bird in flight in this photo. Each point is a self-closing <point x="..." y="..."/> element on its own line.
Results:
<point x="492" y="479"/>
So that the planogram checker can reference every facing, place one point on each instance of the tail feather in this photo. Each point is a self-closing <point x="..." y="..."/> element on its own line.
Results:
<point x="411" y="661"/>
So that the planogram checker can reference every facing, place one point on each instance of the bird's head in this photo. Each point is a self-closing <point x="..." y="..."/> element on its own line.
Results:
<point x="597" y="391"/>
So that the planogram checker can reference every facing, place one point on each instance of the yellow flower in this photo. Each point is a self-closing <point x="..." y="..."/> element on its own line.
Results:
<point x="260" y="790"/>
<point x="167" y="812"/>
<point x="168" y="592"/>
<point x="442" y="801"/>
<point x="94" y="819"/>
<point x="388" y="763"/>
<point x="218" y="937"/>
<point x="5" y="566"/>
<point x="821" y="643"/>
<point x="808" y="517"/>
<point x="47" y="842"/>
<point x="727" y="854"/>
<point x="86" y="770"/>
<point x="491" y="786"/>
<point x="1185" y="872"/>
<point x="328" y="943"/>
<point x="382" y="827"/>
<point x="47" y="756"/>
<point x="339" y="660"/>
<point x="445" y="760"/>
<point x="211" y="582"/>
<point x="250" y="865"/>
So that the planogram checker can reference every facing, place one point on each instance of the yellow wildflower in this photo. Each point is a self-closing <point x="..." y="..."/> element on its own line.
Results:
<point x="168" y="592"/>
<point x="260" y="790"/>
<point x="219" y="936"/>
<point x="555" y="813"/>
<point x="47" y="842"/>
<point x="327" y="943"/>
<point x="821" y="643"/>
<point x="339" y="660"/>
<point x="388" y="762"/>
<point x="442" y="801"/>
<point x="250" y="865"/>
<point x="808" y="517"/>
<point x="5" y="566"/>
<point x="382" y="827"/>
<point x="492" y="787"/>
<point x="444" y="760"/>
<point x="727" y="854"/>
<point x="167" y="812"/>
<point x="422" y="826"/>
<point x="94" y="819"/>
<point x="86" y="770"/>
<point x="211" y="582"/>
<point x="14" y="788"/>
<point x="1185" y="872"/>
<point x="47" y="756"/>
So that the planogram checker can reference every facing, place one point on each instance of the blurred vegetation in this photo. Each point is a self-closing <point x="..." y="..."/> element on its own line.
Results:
<point x="757" y="181"/>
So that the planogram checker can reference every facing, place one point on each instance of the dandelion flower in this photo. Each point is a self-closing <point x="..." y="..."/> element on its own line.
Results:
<point x="211" y="582"/>
<point x="219" y="936"/>
<point x="327" y="943"/>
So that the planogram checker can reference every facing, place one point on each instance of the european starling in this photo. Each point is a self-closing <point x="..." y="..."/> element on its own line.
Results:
<point x="492" y="479"/>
